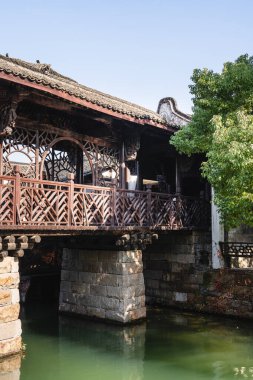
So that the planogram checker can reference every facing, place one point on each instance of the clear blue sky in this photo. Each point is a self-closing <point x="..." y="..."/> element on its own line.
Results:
<point x="138" y="50"/>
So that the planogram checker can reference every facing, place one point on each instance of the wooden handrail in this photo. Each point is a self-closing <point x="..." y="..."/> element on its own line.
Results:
<point x="48" y="203"/>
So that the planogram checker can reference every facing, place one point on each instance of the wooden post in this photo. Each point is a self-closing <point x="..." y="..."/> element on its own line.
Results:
<point x="71" y="197"/>
<point x="1" y="157"/>
<point x="149" y="219"/>
<point x="37" y="157"/>
<point x="113" y="202"/>
<point x="178" y="179"/>
<point x="17" y="195"/>
<point x="122" y="167"/>
<point x="52" y="174"/>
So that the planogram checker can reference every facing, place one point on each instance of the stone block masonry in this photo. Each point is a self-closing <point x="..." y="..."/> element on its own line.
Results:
<point x="173" y="267"/>
<point x="103" y="284"/>
<point x="178" y="273"/>
<point x="10" y="324"/>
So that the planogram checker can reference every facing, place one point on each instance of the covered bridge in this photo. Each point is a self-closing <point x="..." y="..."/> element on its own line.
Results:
<point x="75" y="162"/>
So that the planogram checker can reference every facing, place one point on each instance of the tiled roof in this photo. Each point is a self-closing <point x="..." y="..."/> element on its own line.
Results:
<point x="43" y="75"/>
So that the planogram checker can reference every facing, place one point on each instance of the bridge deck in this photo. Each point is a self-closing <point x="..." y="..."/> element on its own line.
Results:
<point x="30" y="204"/>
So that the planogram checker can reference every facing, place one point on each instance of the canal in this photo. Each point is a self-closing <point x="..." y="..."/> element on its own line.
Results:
<point x="169" y="345"/>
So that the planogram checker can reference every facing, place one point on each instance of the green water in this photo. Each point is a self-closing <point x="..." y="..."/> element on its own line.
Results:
<point x="169" y="345"/>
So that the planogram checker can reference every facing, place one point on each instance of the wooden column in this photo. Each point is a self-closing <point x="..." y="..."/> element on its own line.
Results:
<point x="122" y="167"/>
<point x="178" y="178"/>
<point x="71" y="198"/>
<point x="1" y="157"/>
<point x="149" y="201"/>
<point x="113" y="199"/>
<point x="17" y="194"/>
<point x="37" y="156"/>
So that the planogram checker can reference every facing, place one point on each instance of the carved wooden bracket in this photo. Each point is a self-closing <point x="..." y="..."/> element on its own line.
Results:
<point x="7" y="118"/>
<point x="8" y="113"/>
<point x="136" y="240"/>
<point x="132" y="145"/>
<point x="15" y="245"/>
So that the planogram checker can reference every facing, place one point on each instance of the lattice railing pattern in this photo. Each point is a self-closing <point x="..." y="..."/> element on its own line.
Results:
<point x="7" y="201"/>
<point x="92" y="206"/>
<point x="164" y="211"/>
<point x="131" y="208"/>
<point x="29" y="202"/>
<point x="43" y="203"/>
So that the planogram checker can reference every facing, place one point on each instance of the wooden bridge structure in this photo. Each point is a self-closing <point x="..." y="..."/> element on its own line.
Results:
<point x="78" y="164"/>
<point x="72" y="158"/>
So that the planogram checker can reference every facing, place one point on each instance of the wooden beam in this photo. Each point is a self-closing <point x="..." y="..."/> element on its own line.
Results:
<point x="22" y="239"/>
<point x="23" y="122"/>
<point x="9" y="239"/>
<point x="3" y="254"/>
<point x="35" y="239"/>
<point x="18" y="253"/>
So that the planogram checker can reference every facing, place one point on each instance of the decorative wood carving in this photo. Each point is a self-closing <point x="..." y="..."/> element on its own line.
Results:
<point x="37" y="149"/>
<point x="132" y="145"/>
<point x="8" y="117"/>
<point x="8" y="112"/>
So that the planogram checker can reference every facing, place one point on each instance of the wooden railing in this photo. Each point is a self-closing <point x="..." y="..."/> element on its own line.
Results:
<point x="29" y="202"/>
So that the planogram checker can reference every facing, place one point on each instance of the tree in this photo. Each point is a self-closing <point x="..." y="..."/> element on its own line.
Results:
<point x="222" y="129"/>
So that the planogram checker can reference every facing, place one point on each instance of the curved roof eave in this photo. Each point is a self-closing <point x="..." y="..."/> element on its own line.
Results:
<point x="44" y="79"/>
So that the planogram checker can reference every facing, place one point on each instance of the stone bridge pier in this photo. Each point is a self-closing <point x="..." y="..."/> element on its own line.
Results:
<point x="11" y="248"/>
<point x="10" y="324"/>
<point x="106" y="284"/>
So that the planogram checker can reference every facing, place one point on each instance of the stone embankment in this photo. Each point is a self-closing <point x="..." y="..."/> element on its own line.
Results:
<point x="178" y="274"/>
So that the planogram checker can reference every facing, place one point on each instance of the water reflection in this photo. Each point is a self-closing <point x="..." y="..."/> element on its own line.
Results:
<point x="103" y="345"/>
<point x="170" y="345"/>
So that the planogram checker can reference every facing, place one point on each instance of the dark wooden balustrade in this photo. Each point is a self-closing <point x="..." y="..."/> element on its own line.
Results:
<point x="231" y="250"/>
<point x="29" y="202"/>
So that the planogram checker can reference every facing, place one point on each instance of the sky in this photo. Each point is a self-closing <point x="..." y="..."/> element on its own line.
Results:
<point x="138" y="50"/>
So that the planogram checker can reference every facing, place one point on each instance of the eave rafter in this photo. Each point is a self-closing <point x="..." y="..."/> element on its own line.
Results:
<point x="84" y="104"/>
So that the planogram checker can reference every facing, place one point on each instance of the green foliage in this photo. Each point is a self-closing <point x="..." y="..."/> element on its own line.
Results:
<point x="222" y="128"/>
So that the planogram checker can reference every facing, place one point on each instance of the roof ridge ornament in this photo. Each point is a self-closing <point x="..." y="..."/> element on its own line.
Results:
<point x="167" y="109"/>
<point x="44" y="68"/>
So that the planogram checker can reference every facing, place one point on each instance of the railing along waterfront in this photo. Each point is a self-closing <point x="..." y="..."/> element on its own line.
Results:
<point x="30" y="202"/>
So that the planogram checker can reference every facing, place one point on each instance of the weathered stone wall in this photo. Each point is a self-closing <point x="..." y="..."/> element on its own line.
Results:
<point x="10" y="367"/>
<point x="226" y="291"/>
<point x="177" y="273"/>
<point x="103" y="284"/>
<point x="173" y="267"/>
<point x="10" y="324"/>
